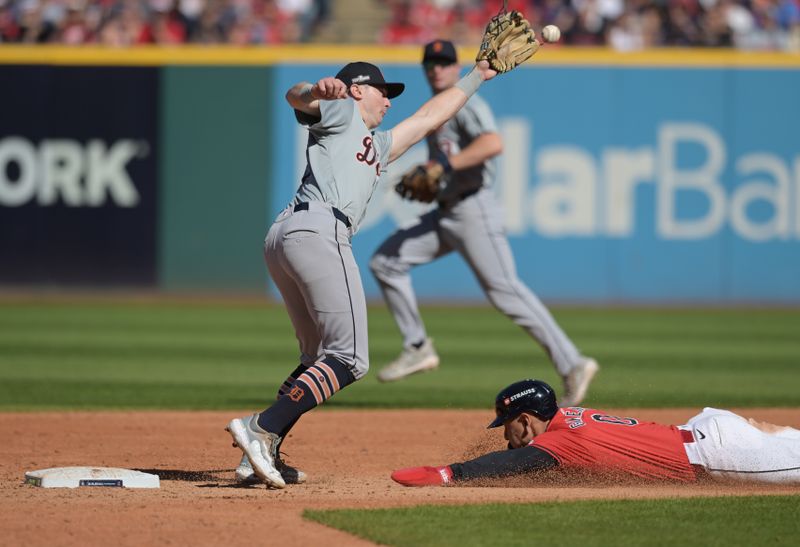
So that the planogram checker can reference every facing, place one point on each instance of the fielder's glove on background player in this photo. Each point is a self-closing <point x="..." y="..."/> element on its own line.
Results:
<point x="422" y="182"/>
<point x="507" y="41"/>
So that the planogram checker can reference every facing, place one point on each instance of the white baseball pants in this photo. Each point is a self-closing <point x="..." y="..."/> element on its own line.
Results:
<point x="729" y="447"/>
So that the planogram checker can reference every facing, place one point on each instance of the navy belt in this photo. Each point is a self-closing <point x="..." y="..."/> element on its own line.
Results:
<point x="303" y="206"/>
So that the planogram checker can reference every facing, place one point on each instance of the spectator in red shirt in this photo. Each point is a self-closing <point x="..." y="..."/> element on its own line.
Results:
<point x="541" y="436"/>
<point x="164" y="27"/>
<point x="402" y="28"/>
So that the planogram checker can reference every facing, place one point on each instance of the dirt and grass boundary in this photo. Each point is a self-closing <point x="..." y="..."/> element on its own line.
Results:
<point x="348" y="455"/>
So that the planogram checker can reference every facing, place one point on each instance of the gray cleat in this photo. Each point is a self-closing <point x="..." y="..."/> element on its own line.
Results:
<point x="259" y="446"/>
<point x="410" y="361"/>
<point x="245" y="475"/>
<point x="577" y="381"/>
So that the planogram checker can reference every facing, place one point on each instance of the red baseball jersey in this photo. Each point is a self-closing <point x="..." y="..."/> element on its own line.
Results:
<point x="592" y="439"/>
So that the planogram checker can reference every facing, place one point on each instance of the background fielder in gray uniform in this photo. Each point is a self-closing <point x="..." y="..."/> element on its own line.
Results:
<point x="308" y="250"/>
<point x="468" y="220"/>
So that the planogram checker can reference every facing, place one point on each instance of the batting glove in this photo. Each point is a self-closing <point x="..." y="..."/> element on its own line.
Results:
<point x="423" y="476"/>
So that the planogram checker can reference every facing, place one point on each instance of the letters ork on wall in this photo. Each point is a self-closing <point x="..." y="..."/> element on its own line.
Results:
<point x="78" y="168"/>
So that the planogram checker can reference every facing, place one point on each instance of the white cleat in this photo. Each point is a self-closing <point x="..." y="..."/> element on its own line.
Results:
<point x="244" y="473"/>
<point x="260" y="448"/>
<point x="577" y="381"/>
<point x="410" y="361"/>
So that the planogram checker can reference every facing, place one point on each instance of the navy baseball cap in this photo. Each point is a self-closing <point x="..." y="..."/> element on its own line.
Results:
<point x="442" y="51"/>
<point x="367" y="73"/>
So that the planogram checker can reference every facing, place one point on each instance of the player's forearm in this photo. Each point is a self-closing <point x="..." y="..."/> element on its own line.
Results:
<point x="443" y="106"/>
<point x="431" y="115"/>
<point x="480" y="150"/>
<point x="503" y="464"/>
<point x="300" y="98"/>
<point x="495" y="464"/>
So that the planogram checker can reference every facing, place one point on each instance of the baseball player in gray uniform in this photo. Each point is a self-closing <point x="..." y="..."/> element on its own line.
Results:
<point x="468" y="220"/>
<point x="308" y="250"/>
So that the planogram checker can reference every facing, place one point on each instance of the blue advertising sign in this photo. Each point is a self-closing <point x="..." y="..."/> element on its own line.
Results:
<point x="619" y="183"/>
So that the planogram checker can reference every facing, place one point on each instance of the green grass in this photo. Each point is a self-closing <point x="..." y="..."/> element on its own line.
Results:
<point x="728" y="521"/>
<point x="193" y="355"/>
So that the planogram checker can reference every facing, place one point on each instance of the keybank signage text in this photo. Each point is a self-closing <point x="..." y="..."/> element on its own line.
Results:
<point x="697" y="188"/>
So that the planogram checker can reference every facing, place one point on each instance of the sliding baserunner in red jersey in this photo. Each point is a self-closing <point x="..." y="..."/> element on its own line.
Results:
<point x="542" y="436"/>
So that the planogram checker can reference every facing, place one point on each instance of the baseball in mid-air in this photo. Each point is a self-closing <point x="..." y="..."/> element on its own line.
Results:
<point x="551" y="33"/>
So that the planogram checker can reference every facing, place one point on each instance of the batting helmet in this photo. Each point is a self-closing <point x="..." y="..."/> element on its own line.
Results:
<point x="532" y="396"/>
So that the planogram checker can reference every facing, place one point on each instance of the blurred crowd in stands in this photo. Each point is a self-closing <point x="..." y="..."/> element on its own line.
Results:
<point x="622" y="24"/>
<point x="134" y="22"/>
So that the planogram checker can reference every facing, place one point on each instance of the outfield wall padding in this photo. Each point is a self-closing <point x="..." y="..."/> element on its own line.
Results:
<point x="663" y="177"/>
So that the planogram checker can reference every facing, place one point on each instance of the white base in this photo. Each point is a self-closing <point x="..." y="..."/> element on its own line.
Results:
<point x="74" y="477"/>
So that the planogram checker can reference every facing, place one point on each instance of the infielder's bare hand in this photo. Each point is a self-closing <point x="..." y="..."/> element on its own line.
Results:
<point x="328" y="89"/>
<point x="485" y="70"/>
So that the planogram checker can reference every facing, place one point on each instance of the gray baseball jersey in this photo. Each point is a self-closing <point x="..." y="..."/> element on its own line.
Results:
<point x="469" y="221"/>
<point x="345" y="159"/>
<point x="473" y="120"/>
<point x="308" y="250"/>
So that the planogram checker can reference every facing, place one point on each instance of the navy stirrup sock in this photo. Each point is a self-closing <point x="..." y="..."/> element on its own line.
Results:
<point x="290" y="380"/>
<point x="312" y="387"/>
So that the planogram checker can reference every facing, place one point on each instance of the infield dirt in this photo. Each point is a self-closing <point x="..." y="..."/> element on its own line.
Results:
<point x="348" y="455"/>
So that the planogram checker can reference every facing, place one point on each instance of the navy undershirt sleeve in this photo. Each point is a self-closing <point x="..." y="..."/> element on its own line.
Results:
<point x="304" y="118"/>
<point x="504" y="463"/>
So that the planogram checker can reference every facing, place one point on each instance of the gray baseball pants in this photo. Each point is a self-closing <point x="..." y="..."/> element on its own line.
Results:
<point x="475" y="229"/>
<point x="310" y="260"/>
